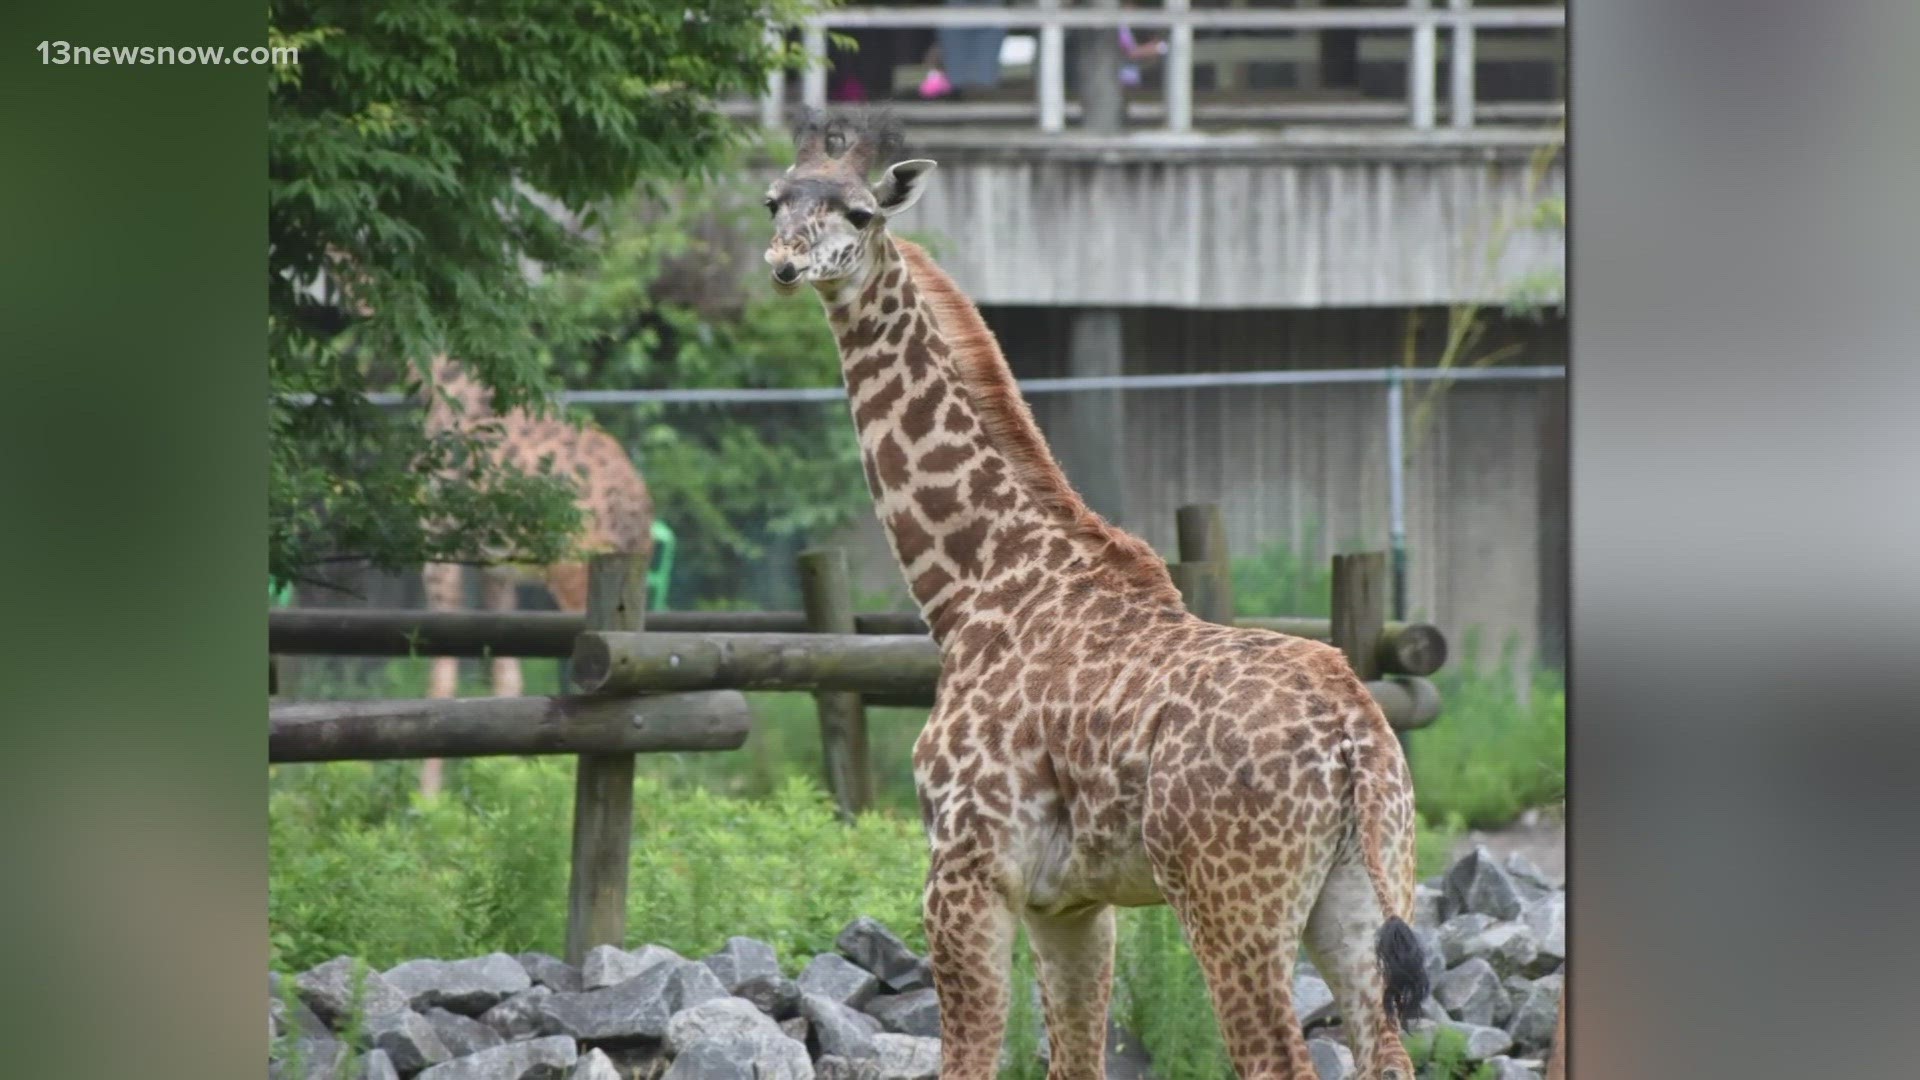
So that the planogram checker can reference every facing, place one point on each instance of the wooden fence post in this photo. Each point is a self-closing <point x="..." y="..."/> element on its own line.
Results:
<point x="826" y="591"/>
<point x="603" y="783"/>
<point x="1361" y="585"/>
<point x="1204" y="573"/>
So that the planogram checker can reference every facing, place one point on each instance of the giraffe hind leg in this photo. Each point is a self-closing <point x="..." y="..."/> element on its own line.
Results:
<point x="1074" y="954"/>
<point x="1342" y="938"/>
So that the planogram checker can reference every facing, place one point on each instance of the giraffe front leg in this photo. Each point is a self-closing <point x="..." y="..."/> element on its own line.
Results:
<point x="444" y="592"/>
<point x="1074" y="953"/>
<point x="970" y="931"/>
<point x="502" y="594"/>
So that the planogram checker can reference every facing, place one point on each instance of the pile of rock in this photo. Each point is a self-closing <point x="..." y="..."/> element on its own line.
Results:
<point x="867" y="1012"/>
<point x="1495" y="936"/>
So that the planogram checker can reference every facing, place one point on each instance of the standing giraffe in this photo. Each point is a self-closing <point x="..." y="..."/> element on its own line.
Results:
<point x="613" y="499"/>
<point x="1093" y="744"/>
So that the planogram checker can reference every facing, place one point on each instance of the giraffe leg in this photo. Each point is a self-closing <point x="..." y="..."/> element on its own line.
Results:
<point x="1341" y="933"/>
<point x="500" y="586"/>
<point x="568" y="584"/>
<point x="970" y="932"/>
<point x="444" y="592"/>
<point x="1075" y="959"/>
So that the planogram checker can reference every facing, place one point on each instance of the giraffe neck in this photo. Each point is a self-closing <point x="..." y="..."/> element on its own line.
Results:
<point x="974" y="506"/>
<point x="454" y="396"/>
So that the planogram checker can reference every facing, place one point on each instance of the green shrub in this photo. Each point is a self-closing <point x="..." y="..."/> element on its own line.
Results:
<point x="1493" y="753"/>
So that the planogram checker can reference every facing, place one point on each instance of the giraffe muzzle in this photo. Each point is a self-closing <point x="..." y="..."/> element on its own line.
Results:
<point x="786" y="272"/>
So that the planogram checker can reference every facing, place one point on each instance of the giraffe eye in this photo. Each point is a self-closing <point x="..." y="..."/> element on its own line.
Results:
<point x="859" y="218"/>
<point x="772" y="204"/>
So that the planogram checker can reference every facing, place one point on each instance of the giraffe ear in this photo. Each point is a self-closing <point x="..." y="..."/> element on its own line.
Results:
<point x="902" y="185"/>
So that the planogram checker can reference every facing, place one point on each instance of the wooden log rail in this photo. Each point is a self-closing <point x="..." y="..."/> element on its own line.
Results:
<point x="901" y="669"/>
<point x="1404" y="648"/>
<point x="484" y="727"/>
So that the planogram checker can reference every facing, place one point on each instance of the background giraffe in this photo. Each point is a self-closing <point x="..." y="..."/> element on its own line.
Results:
<point x="615" y="505"/>
<point x="1093" y="744"/>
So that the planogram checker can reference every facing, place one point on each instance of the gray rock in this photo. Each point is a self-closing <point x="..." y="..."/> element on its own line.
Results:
<point x="1426" y="907"/>
<point x="378" y="1066"/>
<point x="1535" y="1014"/>
<point x="1331" y="1061"/>
<point x="775" y="995"/>
<point x="906" y="1057"/>
<point x="287" y="1014"/>
<point x="796" y="1029"/>
<point x="608" y="965"/>
<point x="720" y="1018"/>
<point x="551" y="972"/>
<point x="693" y="984"/>
<point x="594" y="1065"/>
<point x="841" y="1031"/>
<point x="308" y="1058"/>
<point x="758" y="1056"/>
<point x="1506" y="1068"/>
<point x="838" y="979"/>
<point x="1477" y="883"/>
<point x="1312" y="1001"/>
<point x="407" y="1038"/>
<point x="1509" y="947"/>
<point x="743" y="958"/>
<point x="897" y="1057"/>
<point x="1472" y="993"/>
<point x="1434" y="1011"/>
<point x="1483" y="1042"/>
<point x="1431" y="954"/>
<point x="536" y="1059"/>
<point x="638" y="1008"/>
<point x="916" y="1012"/>
<point x="872" y="946"/>
<point x="469" y="987"/>
<point x="1524" y="872"/>
<point x="1455" y="935"/>
<point x="460" y="1034"/>
<point x="1547" y="919"/>
<point x="342" y="987"/>
<point x="520" y="1016"/>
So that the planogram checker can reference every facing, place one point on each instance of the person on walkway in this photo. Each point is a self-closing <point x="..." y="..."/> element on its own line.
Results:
<point x="964" y="58"/>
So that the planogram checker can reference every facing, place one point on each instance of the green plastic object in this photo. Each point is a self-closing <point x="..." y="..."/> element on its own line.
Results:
<point x="279" y="595"/>
<point x="662" y="572"/>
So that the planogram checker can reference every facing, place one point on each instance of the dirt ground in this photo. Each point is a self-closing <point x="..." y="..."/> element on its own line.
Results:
<point x="1539" y="835"/>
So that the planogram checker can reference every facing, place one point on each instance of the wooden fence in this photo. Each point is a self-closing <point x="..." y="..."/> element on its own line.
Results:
<point x="672" y="681"/>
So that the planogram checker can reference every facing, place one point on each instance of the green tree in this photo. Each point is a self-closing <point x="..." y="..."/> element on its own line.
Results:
<point x="421" y="156"/>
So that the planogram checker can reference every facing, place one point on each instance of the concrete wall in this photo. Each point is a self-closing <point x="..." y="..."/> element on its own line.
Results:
<point x="1381" y="218"/>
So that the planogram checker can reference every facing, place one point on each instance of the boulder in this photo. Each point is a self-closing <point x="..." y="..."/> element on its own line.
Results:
<point x="520" y="1016"/>
<point x="838" y="979"/>
<point x="757" y="1056"/>
<point x="1479" y="884"/>
<point x="1331" y="1061"/>
<point x="288" y="1015"/>
<point x="1312" y="1001"/>
<point x="896" y="1057"/>
<point x="609" y="965"/>
<point x="775" y="995"/>
<point x="1547" y="919"/>
<point x="407" y="1038"/>
<point x="916" y="1012"/>
<point x="797" y="1029"/>
<point x="838" y="1029"/>
<point x="1472" y="993"/>
<point x="1426" y="907"/>
<point x="1535" y="1015"/>
<point x="743" y="958"/>
<point x="378" y="1066"/>
<point x="636" y="1009"/>
<point x="1432" y="955"/>
<point x="536" y="1059"/>
<point x="462" y="1035"/>
<point x="1505" y="1068"/>
<point x="1455" y="935"/>
<point x="693" y="984"/>
<point x="551" y="972"/>
<point x="594" y="1065"/>
<point x="880" y="951"/>
<point x="343" y="987"/>
<point x="468" y="987"/>
<point x="1482" y="1042"/>
<point x="721" y="1017"/>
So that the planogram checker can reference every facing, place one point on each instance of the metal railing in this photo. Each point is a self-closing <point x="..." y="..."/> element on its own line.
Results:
<point x="1421" y="18"/>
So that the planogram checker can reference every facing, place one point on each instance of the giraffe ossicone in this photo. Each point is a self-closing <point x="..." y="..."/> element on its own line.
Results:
<point x="1093" y="744"/>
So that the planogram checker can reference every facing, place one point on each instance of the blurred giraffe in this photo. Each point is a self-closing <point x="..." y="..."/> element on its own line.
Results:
<point x="613" y="499"/>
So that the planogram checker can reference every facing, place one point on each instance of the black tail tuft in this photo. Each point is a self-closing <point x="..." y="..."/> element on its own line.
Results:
<point x="1403" y="962"/>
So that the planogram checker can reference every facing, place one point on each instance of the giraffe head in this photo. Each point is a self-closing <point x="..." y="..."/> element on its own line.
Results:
<point x="828" y="220"/>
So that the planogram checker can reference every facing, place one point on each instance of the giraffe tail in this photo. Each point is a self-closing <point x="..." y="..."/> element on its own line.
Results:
<point x="1379" y="774"/>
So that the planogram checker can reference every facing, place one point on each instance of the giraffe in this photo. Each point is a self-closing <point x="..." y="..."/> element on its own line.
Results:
<point x="617" y="508"/>
<point x="1093" y="744"/>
